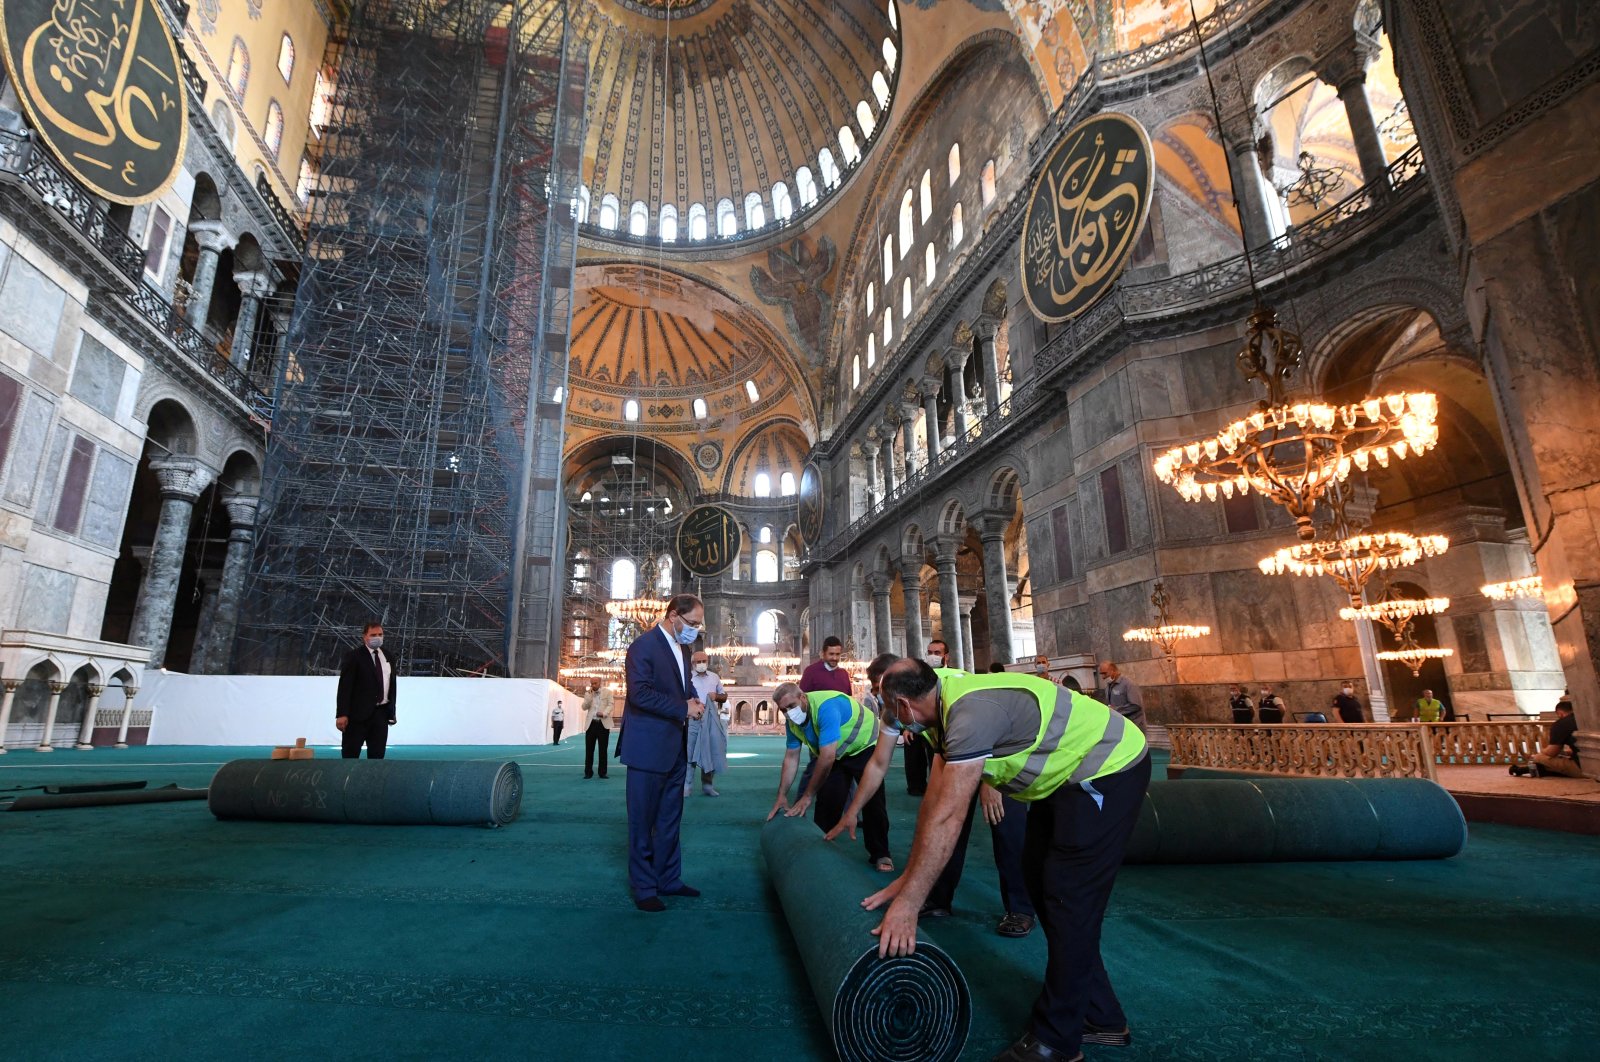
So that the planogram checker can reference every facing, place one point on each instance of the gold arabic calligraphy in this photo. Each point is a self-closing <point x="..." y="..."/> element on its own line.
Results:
<point x="707" y="541"/>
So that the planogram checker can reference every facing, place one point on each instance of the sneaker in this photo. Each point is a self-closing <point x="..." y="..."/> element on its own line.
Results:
<point x="709" y="791"/>
<point x="1099" y="1034"/>
<point x="1518" y="771"/>
<point x="1015" y="925"/>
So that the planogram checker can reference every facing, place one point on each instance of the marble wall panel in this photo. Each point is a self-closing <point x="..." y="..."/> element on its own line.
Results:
<point x="30" y="307"/>
<point x="46" y="600"/>
<point x="1255" y="612"/>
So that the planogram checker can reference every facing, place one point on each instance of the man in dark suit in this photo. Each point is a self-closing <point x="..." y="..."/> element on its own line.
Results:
<point x="653" y="746"/>
<point x="366" y="697"/>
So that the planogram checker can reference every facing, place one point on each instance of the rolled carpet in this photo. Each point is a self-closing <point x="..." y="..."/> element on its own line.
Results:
<point x="911" y="1009"/>
<point x="91" y="797"/>
<point x="372" y="792"/>
<point x="1265" y="820"/>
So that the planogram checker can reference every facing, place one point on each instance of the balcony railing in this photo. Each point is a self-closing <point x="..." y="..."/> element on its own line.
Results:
<point x="21" y="164"/>
<point x="289" y="221"/>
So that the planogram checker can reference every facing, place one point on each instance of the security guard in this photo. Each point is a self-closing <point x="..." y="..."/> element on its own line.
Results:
<point x="840" y="733"/>
<point x="1084" y="769"/>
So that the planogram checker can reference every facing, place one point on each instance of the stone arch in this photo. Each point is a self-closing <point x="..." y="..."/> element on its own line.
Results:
<point x="882" y="561"/>
<point x="1329" y="331"/>
<point x="206" y="203"/>
<point x="1005" y="489"/>
<point x="241" y="473"/>
<point x="911" y="543"/>
<point x="170" y="426"/>
<point x="953" y="518"/>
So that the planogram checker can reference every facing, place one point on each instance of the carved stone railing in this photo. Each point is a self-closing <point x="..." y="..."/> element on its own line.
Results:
<point x="1485" y="744"/>
<point x="1305" y="750"/>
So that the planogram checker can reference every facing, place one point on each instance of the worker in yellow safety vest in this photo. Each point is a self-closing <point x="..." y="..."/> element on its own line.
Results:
<point x="841" y="734"/>
<point x="1083" y="769"/>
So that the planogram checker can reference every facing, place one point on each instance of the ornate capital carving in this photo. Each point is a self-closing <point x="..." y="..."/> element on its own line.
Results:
<point x="254" y="285"/>
<point x="910" y="565"/>
<point x="57" y="687"/>
<point x="95" y="689"/>
<point x="1345" y="64"/>
<point x="945" y="548"/>
<point x="242" y="511"/>
<point x="958" y="357"/>
<point x="11" y="684"/>
<point x="211" y="235"/>
<point x="181" y="477"/>
<point x="991" y="525"/>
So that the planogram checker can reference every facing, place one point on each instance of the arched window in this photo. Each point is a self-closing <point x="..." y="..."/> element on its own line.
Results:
<point x="750" y="389"/>
<point x="697" y="221"/>
<point x="630" y="409"/>
<point x="986" y="182"/>
<point x="222" y="118"/>
<point x="872" y="291"/>
<point x="610" y="210"/>
<point x="307" y="180"/>
<point x="926" y="192"/>
<point x="755" y="212"/>
<point x="865" y="119"/>
<point x="582" y="205"/>
<point x="905" y="299"/>
<point x="624" y="579"/>
<point x="663" y="587"/>
<point x="888" y="263"/>
<point x="888" y="327"/>
<point x="956" y="231"/>
<point x="782" y="205"/>
<point x="700" y="411"/>
<point x="828" y="168"/>
<point x="766" y="566"/>
<point x="880" y="89"/>
<point x="767" y="627"/>
<point x="955" y="163"/>
<point x="891" y="54"/>
<point x="638" y="218"/>
<point x="321" y="104"/>
<point x="786" y="484"/>
<point x="668" y="228"/>
<point x="273" y="134"/>
<point x="763" y="489"/>
<point x="855" y="371"/>
<point x="558" y="394"/>
<point x="805" y="187"/>
<point x="239" y="68"/>
<point x="766" y="536"/>
<point x="930" y="265"/>
<point x="847" y="146"/>
<point x="286" y="58"/>
<point x="872" y="350"/>
<point x="727" y="218"/>
<point x="906" y="224"/>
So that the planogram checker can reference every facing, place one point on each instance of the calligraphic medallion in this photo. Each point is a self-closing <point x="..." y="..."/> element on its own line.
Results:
<point x="708" y="541"/>
<point x="102" y="84"/>
<point x="813" y="506"/>
<point x="1088" y="207"/>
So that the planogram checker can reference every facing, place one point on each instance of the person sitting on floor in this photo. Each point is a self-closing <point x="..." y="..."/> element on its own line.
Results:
<point x="1560" y="755"/>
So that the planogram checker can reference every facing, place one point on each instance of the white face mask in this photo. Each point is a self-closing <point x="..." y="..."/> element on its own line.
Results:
<point x="375" y="642"/>
<point x="1348" y="690"/>
<point x="797" y="715"/>
<point x="934" y="660"/>
<point x="700" y="669"/>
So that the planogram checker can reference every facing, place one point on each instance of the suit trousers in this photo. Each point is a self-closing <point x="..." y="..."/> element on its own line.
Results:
<point x="1070" y="855"/>
<point x="655" y="814"/>
<point x="373" y="731"/>
<point x="596" y="737"/>
<point x="919" y="757"/>
<point x="1008" y="840"/>
<point x="555" y="730"/>
<point x="833" y="796"/>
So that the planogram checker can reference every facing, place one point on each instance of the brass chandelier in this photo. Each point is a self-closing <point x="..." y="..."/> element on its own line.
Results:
<point x="1395" y="612"/>
<point x="1530" y="587"/>
<point x="1411" y="654"/>
<point x="733" y="650"/>
<point x="1352" y="561"/>
<point x="1166" y="634"/>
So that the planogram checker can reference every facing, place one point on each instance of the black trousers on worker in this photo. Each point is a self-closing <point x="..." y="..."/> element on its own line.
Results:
<point x="1008" y="840"/>
<point x="1070" y="857"/>
<point x="373" y="731"/>
<point x="833" y="796"/>
<point x="919" y="757"/>
<point x="597" y="736"/>
<point x="555" y="729"/>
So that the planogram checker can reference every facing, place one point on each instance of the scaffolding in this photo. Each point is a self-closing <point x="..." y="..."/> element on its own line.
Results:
<point x="413" y="467"/>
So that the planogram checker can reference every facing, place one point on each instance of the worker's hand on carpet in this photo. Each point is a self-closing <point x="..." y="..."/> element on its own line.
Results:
<point x="846" y="824"/>
<point x="994" y="808"/>
<point x="342" y="722"/>
<point x="897" y="933"/>
<point x="798" y="808"/>
<point x="778" y="805"/>
<point x="883" y="896"/>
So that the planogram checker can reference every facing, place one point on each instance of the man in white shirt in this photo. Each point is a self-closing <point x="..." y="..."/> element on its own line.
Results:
<point x="597" y="732"/>
<point x="708" y="735"/>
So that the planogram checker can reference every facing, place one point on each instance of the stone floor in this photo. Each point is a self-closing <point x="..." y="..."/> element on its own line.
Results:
<point x="1497" y="781"/>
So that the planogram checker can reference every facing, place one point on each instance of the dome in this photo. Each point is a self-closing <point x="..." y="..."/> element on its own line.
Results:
<point x="712" y="121"/>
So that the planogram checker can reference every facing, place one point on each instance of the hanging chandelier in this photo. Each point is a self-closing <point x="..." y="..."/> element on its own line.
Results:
<point x="733" y="650"/>
<point x="641" y="611"/>
<point x="1294" y="451"/>
<point x="1166" y="634"/>
<point x="777" y="661"/>
<point x="1352" y="561"/>
<point x="1411" y="654"/>
<point x="1529" y="587"/>
<point x="1395" y="612"/>
<point x="613" y="655"/>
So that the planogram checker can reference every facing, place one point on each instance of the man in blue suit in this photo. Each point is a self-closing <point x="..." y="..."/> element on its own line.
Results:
<point x="652" y="745"/>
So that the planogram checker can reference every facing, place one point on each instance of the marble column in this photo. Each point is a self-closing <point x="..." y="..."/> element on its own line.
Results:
<point x="253" y="287"/>
<point x="870" y="451"/>
<point x="930" y="418"/>
<point x="886" y="449"/>
<point x="281" y="319"/>
<point x="965" y="603"/>
<point x="1238" y="140"/>
<point x="216" y="648"/>
<point x="8" y="692"/>
<point x="128" y="694"/>
<point x="995" y="583"/>
<point x="1363" y="128"/>
<point x="908" y="432"/>
<point x="181" y="479"/>
<point x="57" y="688"/>
<point x="86" y="731"/>
<point x="911" y="587"/>
<point x="212" y="239"/>
<point x="991" y="371"/>
<point x="958" y="389"/>
<point x="882" y="617"/>
<point x="950" y="600"/>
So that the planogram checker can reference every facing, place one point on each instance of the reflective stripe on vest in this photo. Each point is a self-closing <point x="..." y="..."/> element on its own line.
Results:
<point x="1079" y="739"/>
<point x="859" y="731"/>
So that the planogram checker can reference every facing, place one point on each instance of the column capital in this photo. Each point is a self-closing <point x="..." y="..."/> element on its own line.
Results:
<point x="991" y="524"/>
<point x="1344" y="66"/>
<point x="211" y="235"/>
<point x="910" y="566"/>
<point x="181" y="477"/>
<point x="242" y="510"/>
<point x="930" y="386"/>
<point x="57" y="688"/>
<point x="255" y="284"/>
<point x="880" y="583"/>
<point x="945" y="548"/>
<point x="96" y="689"/>
<point x="909" y="411"/>
<point x="958" y="356"/>
<point x="11" y="684"/>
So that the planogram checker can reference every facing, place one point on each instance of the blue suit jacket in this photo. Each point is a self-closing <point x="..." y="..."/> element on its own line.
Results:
<point x="656" y="716"/>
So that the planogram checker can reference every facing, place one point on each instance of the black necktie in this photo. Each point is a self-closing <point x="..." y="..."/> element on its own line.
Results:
<point x="377" y="666"/>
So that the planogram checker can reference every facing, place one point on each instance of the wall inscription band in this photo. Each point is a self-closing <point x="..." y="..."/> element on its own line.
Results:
<point x="708" y="541"/>
<point x="1088" y="206"/>
<point x="812" y="506"/>
<point x="101" y="83"/>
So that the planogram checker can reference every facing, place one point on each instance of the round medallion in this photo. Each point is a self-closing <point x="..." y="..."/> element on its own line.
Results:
<point x="1088" y="207"/>
<point x="708" y="541"/>
<point x="102" y="84"/>
<point x="812" y="505"/>
<point x="708" y="456"/>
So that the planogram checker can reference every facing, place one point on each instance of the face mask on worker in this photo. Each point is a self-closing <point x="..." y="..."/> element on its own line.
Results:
<point x="1348" y="690"/>
<point x="797" y="715"/>
<point x="700" y="669"/>
<point x="690" y="633"/>
<point x="375" y="642"/>
<point x="934" y="660"/>
<point x="909" y="724"/>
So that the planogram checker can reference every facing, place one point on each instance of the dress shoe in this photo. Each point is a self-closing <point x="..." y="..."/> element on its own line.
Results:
<point x="1100" y="1034"/>
<point x="929" y="911"/>
<point x="589" y="776"/>
<point x="1030" y="1049"/>
<point x="650" y="903"/>
<point x="681" y="890"/>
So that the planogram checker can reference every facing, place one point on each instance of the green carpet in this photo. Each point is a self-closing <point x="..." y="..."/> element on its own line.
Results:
<point x="157" y="932"/>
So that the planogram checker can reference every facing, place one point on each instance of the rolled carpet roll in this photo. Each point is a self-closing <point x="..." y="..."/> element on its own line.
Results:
<point x="1264" y="820"/>
<point x="911" y="1009"/>
<point x="372" y="792"/>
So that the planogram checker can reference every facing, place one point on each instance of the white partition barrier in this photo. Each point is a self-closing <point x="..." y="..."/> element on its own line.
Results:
<point x="272" y="710"/>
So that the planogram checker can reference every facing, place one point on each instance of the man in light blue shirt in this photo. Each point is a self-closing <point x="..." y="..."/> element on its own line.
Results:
<point x="708" y="735"/>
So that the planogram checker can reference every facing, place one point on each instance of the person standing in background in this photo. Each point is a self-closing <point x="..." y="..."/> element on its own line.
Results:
<point x="1429" y="710"/>
<point x="708" y="735"/>
<point x="558" y="719"/>
<point x="1121" y="695"/>
<point x="1347" y="706"/>
<point x="1271" y="706"/>
<point x="367" y="687"/>
<point x="597" y="729"/>
<point x="1239" y="704"/>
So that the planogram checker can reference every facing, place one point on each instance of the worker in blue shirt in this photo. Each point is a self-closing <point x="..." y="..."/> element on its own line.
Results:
<point x="841" y="734"/>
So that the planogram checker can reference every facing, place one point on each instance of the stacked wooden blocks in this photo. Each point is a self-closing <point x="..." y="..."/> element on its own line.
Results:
<point x="297" y="751"/>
